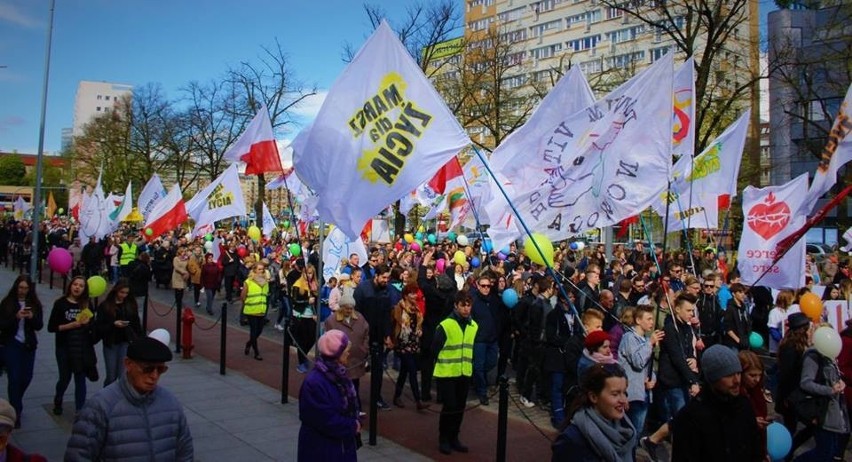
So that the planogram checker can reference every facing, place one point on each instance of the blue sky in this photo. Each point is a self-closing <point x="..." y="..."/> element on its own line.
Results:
<point x="171" y="42"/>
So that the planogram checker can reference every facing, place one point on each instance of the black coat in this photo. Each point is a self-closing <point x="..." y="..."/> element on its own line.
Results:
<point x="557" y="335"/>
<point x="374" y="303"/>
<point x="737" y="320"/>
<point x="710" y="315"/>
<point x="715" y="428"/>
<point x="675" y="348"/>
<point x="9" y="324"/>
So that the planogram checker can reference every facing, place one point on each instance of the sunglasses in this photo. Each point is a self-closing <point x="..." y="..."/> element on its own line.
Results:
<point x="709" y="286"/>
<point x="485" y="286"/>
<point x="149" y="369"/>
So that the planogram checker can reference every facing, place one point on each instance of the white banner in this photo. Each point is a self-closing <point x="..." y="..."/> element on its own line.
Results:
<point x="268" y="221"/>
<point x="221" y="199"/>
<point x="337" y="246"/>
<point x="597" y="167"/>
<point x="770" y="217"/>
<point x="683" y="123"/>
<point x="152" y="193"/>
<point x="94" y="215"/>
<point x="382" y="131"/>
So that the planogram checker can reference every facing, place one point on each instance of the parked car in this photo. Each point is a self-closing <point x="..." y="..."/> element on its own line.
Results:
<point x="819" y="251"/>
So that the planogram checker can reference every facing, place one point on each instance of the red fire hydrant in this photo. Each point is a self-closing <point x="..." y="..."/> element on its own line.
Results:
<point x="187" y="320"/>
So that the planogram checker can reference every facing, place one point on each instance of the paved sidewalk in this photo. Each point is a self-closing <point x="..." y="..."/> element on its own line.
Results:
<point x="231" y="417"/>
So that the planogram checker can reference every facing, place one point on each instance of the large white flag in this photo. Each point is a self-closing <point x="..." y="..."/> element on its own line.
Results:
<point x="223" y="198"/>
<point x="382" y="131"/>
<point x="770" y="216"/>
<point x="268" y="221"/>
<point x="21" y="207"/>
<point x="596" y="167"/>
<point x="337" y="246"/>
<point x="699" y="184"/>
<point x="152" y="193"/>
<point x="683" y="123"/>
<point x="570" y="95"/>
<point x="837" y="152"/>
<point x="94" y="215"/>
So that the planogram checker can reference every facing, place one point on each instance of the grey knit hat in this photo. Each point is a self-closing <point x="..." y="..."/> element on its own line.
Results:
<point x="346" y="297"/>
<point x="719" y="361"/>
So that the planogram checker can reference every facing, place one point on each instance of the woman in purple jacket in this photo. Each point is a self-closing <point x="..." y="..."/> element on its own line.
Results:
<point x="328" y="406"/>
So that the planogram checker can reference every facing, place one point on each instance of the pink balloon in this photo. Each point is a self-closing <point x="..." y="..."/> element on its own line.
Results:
<point x="60" y="260"/>
<point x="415" y="247"/>
<point x="440" y="264"/>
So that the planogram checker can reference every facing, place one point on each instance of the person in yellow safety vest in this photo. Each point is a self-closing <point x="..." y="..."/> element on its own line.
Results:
<point x="128" y="254"/>
<point x="453" y="343"/>
<point x="254" y="296"/>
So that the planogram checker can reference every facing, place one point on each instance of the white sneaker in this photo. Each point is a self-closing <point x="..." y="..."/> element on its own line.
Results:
<point x="527" y="403"/>
<point x="279" y="328"/>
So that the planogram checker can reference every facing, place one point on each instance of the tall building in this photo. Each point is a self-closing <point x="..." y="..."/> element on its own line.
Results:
<point x="809" y="55"/>
<point x="544" y="38"/>
<point x="93" y="99"/>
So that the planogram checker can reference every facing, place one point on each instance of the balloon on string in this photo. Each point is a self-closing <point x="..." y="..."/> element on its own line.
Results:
<point x="97" y="286"/>
<point x="60" y="260"/>
<point x="208" y="246"/>
<point x="572" y="246"/>
<point x="811" y="305"/>
<point x="487" y="245"/>
<point x="440" y="265"/>
<point x="60" y="211"/>
<point x="242" y="251"/>
<point x="778" y="441"/>
<point x="421" y="229"/>
<point x="545" y="257"/>
<point x="418" y="236"/>
<point x="162" y="335"/>
<point x="501" y="255"/>
<point x="462" y="240"/>
<point x="755" y="340"/>
<point x="581" y="245"/>
<point x="431" y="238"/>
<point x="459" y="257"/>
<point x="474" y="262"/>
<point x="208" y="237"/>
<point x="286" y="224"/>
<point x="510" y="298"/>
<point x="254" y="233"/>
<point x="415" y="246"/>
<point x="827" y="342"/>
<point x="506" y="250"/>
<point x="149" y="231"/>
<point x="408" y="238"/>
<point x="451" y="236"/>
<point x="295" y="249"/>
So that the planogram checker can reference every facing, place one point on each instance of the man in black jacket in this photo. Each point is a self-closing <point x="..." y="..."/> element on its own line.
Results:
<point x="485" y="349"/>
<point x="719" y="424"/>
<point x="709" y="312"/>
<point x="372" y="301"/>
<point x="532" y="347"/>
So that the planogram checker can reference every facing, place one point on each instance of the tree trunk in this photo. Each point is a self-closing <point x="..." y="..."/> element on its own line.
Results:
<point x="261" y="197"/>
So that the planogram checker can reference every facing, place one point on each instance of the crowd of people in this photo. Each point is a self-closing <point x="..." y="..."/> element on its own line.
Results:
<point x="624" y="350"/>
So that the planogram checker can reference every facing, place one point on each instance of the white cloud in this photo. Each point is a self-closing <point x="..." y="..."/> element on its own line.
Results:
<point x="11" y="13"/>
<point x="310" y="106"/>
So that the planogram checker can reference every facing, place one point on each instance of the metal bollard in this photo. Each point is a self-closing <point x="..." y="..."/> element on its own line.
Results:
<point x="376" y="371"/>
<point x="144" y="313"/>
<point x="177" y="328"/>
<point x="502" y="418"/>
<point x="285" y="362"/>
<point x="222" y="342"/>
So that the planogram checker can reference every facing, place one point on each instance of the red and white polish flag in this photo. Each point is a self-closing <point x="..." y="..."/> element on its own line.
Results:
<point x="256" y="147"/>
<point x="168" y="214"/>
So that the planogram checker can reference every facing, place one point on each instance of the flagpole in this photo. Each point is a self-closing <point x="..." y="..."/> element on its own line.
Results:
<point x="292" y="212"/>
<point x="529" y="234"/>
<point x="686" y="223"/>
<point x="665" y="225"/>
<point x="473" y="209"/>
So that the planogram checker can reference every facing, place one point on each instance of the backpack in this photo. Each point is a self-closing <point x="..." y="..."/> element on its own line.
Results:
<point x="810" y="409"/>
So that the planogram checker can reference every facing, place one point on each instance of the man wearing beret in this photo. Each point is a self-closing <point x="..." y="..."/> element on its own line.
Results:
<point x="133" y="418"/>
<point x="719" y="423"/>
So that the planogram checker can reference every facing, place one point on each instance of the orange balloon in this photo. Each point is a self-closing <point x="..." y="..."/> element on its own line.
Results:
<point x="811" y="306"/>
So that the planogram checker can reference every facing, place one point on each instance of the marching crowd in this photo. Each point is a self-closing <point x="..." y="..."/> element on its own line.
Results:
<point x="624" y="350"/>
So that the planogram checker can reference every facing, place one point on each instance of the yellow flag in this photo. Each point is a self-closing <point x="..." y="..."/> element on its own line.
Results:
<point x="51" y="205"/>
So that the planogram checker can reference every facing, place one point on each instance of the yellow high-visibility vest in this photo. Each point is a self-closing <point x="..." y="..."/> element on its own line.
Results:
<point x="128" y="253"/>
<point x="255" y="302"/>
<point x="456" y="357"/>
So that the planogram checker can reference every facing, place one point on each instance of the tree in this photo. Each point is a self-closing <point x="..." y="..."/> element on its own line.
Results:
<point x="12" y="170"/>
<point x="214" y="122"/>
<point x="269" y="81"/>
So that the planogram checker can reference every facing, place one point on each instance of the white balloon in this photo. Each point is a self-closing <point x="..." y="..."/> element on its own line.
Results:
<point x="827" y="342"/>
<point x="462" y="240"/>
<point x="581" y="245"/>
<point x="208" y="246"/>
<point x="162" y="335"/>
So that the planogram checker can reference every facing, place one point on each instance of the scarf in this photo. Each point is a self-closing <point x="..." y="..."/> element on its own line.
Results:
<point x="335" y="372"/>
<point x="599" y="358"/>
<point x="612" y="441"/>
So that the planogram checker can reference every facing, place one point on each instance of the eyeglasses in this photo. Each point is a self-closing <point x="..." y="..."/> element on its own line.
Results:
<point x="677" y="271"/>
<point x="149" y="369"/>
<point x="709" y="286"/>
<point x="485" y="286"/>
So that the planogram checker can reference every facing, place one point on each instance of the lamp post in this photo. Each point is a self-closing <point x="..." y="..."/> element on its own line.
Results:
<point x="40" y="158"/>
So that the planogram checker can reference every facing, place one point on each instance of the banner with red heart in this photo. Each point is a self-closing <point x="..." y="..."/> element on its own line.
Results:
<point x="769" y="217"/>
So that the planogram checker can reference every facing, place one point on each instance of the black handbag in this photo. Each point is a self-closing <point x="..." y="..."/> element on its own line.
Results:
<point x="809" y="409"/>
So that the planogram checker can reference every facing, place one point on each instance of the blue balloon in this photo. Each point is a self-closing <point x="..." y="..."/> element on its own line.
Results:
<point x="572" y="246"/>
<point x="474" y="262"/>
<point x="451" y="236"/>
<point x="431" y="238"/>
<point x="505" y="250"/>
<point x="510" y="298"/>
<point x="778" y="441"/>
<point x="487" y="246"/>
<point x="418" y="235"/>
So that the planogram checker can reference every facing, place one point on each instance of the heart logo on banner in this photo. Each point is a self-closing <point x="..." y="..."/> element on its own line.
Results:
<point x="768" y="218"/>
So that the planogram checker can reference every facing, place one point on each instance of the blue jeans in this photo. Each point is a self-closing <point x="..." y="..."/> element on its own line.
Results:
<point x="114" y="361"/>
<point x="210" y="294"/>
<point x="484" y="359"/>
<point x="557" y="380"/>
<point x="828" y="446"/>
<point x="65" y="374"/>
<point x="19" y="363"/>
<point x="637" y="412"/>
<point x="673" y="399"/>
<point x="114" y="273"/>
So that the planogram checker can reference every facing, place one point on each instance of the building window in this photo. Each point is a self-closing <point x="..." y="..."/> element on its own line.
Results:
<point x="545" y="5"/>
<point x="584" y="43"/>
<point x="98" y="109"/>
<point x="591" y="67"/>
<point x="514" y="59"/>
<point x="511" y="15"/>
<point x="514" y="82"/>
<point x="106" y="97"/>
<point x="657" y="53"/>
<point x="100" y="97"/>
<point x="613" y="12"/>
<point x="482" y="24"/>
<point x="625" y="35"/>
<point x="539" y="30"/>
<point x="546" y="51"/>
<point x="622" y="61"/>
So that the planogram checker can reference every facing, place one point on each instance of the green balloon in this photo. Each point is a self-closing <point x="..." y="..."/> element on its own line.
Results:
<point x="295" y="250"/>
<point x="149" y="231"/>
<point x="97" y="286"/>
<point x="208" y="237"/>
<point x="286" y="224"/>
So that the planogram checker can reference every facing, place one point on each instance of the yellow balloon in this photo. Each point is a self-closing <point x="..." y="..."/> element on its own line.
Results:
<point x="545" y="257"/>
<point x="254" y="233"/>
<point x="409" y="238"/>
<point x="459" y="257"/>
<point x="422" y="229"/>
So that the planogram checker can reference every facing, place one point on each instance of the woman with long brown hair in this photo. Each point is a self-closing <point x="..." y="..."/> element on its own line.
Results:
<point x="791" y="350"/>
<point x="407" y="330"/>
<point x="117" y="324"/>
<point x="75" y="354"/>
<point x="21" y="315"/>
<point x="303" y="296"/>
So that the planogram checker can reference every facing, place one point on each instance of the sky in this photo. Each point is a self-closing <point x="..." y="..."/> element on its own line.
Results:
<point x="171" y="42"/>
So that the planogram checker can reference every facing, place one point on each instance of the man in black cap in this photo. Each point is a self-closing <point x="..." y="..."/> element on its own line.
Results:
<point x="133" y="418"/>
